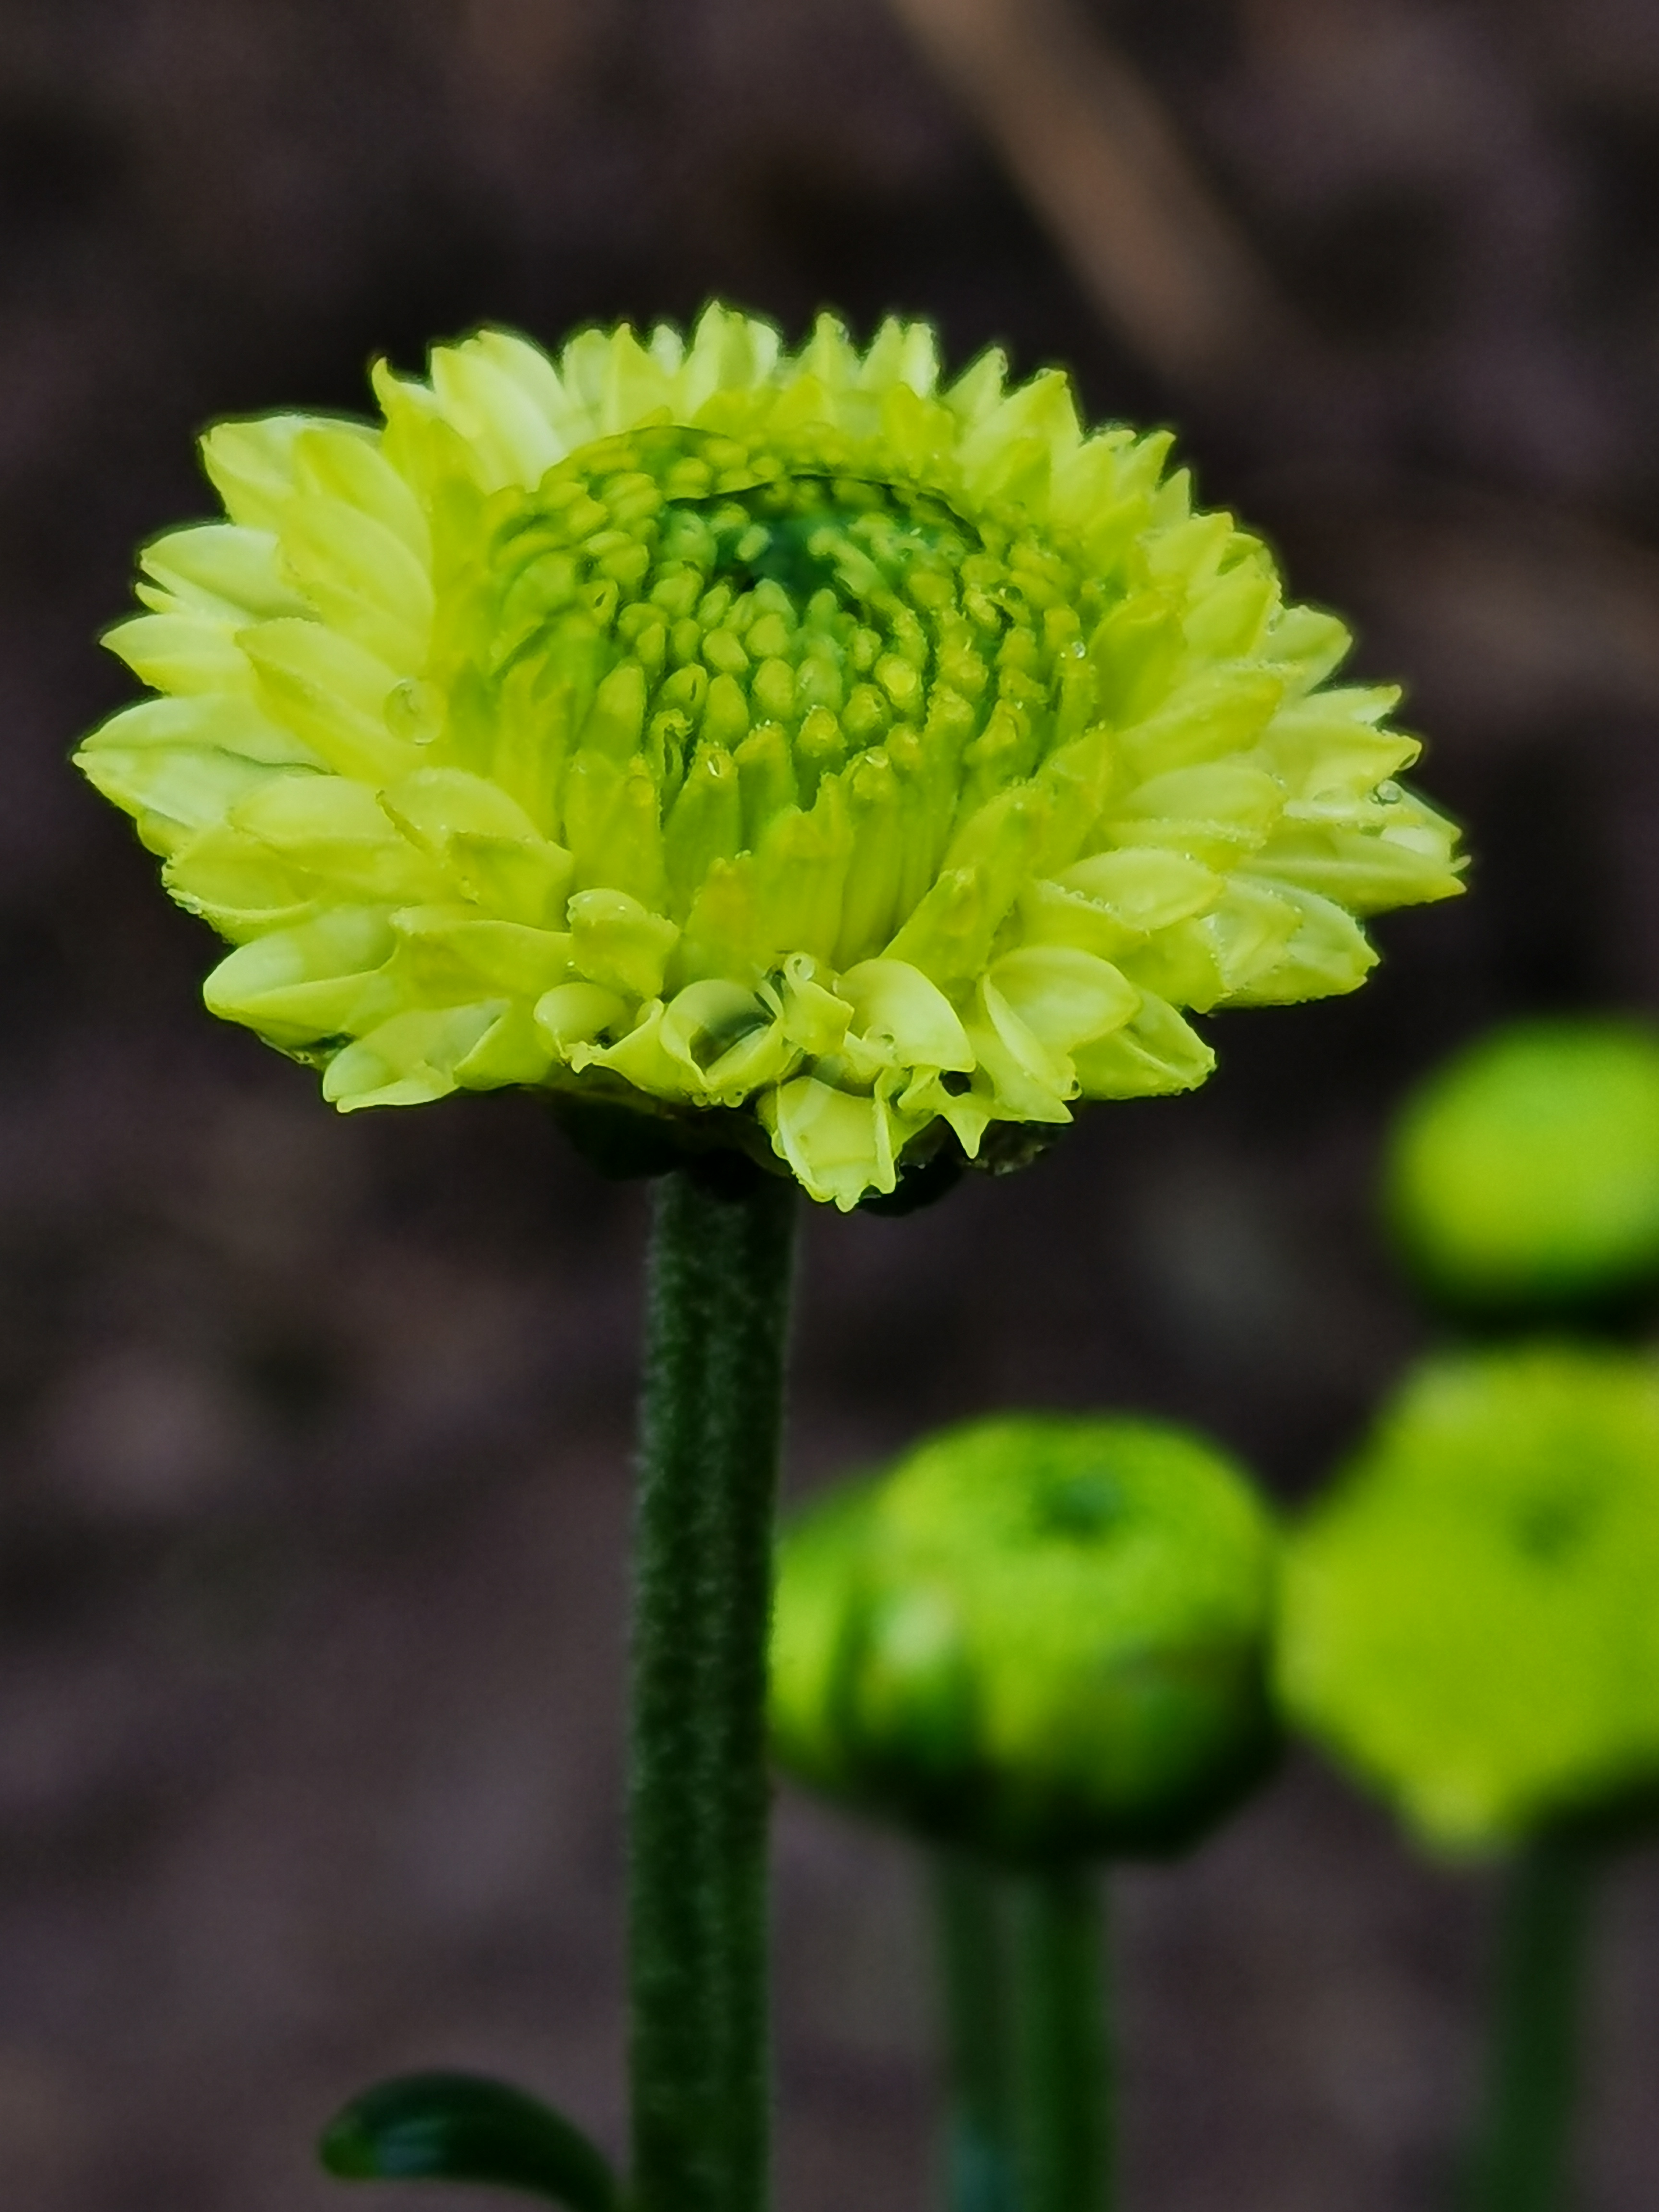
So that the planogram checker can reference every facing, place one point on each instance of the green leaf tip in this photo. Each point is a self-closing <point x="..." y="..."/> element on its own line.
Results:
<point x="467" y="2127"/>
<point x="1037" y="1636"/>
<point x="810" y="750"/>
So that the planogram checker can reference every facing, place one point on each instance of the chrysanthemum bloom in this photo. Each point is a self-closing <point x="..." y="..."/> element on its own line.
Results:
<point x="832" y="762"/>
<point x="1523" y="1176"/>
<point x="1469" y="1619"/>
<point x="1039" y="1637"/>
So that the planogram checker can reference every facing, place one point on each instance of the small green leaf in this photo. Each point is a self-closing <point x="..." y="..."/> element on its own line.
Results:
<point x="465" y="2127"/>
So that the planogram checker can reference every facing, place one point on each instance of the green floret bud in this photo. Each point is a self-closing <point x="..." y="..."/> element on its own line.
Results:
<point x="1522" y="1180"/>
<point x="807" y="754"/>
<point x="1468" y="1619"/>
<point x="1037" y="1637"/>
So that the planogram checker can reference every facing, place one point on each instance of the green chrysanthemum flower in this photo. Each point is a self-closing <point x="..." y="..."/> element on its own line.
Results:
<point x="775" y="742"/>
<point x="1038" y="1636"/>
<point x="1469" y="1619"/>
<point x="1523" y="1176"/>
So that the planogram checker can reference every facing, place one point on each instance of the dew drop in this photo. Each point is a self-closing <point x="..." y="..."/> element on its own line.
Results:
<point x="412" y="712"/>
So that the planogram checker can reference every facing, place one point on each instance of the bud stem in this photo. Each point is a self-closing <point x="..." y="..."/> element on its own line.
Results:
<point x="711" y="1418"/>
<point x="980" y="2157"/>
<point x="1061" y="2047"/>
<point x="1522" y="2155"/>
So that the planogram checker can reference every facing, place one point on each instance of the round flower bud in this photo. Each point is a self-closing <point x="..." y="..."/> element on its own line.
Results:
<point x="1037" y="1637"/>
<point x="1469" y="1619"/>
<point x="1523" y="1176"/>
<point x="817" y="757"/>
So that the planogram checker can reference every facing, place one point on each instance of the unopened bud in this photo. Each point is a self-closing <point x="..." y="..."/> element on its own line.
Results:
<point x="1039" y="1637"/>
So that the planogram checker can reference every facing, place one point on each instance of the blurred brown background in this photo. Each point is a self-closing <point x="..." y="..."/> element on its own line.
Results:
<point x="314" y="1503"/>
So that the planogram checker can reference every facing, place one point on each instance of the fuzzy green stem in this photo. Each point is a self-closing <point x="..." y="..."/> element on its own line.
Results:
<point x="1061" y="2044"/>
<point x="980" y="2151"/>
<point x="711" y="1419"/>
<point x="1522" y="2154"/>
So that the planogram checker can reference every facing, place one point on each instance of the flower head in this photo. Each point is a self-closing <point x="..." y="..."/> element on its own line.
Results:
<point x="1468" y="1620"/>
<point x="1037" y="1637"/>
<point x="1523" y="1176"/>
<point x="834" y="762"/>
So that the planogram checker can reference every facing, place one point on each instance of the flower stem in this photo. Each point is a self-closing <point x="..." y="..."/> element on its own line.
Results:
<point x="711" y="1418"/>
<point x="1062" y="2043"/>
<point x="1522" y="2155"/>
<point x="979" y="2153"/>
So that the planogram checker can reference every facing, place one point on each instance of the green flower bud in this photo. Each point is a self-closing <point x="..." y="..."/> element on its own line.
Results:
<point x="1038" y="1637"/>
<point x="824" y="760"/>
<point x="1468" y="1619"/>
<point x="1523" y="1176"/>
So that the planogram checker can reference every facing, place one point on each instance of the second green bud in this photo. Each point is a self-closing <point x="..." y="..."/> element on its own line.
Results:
<point x="1037" y="1637"/>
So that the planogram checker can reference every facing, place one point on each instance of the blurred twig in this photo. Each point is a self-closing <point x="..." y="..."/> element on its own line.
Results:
<point x="1093" y="150"/>
<point x="1521" y="611"/>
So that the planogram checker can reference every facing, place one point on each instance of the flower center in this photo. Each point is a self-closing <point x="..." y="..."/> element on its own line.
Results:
<point x="744" y="625"/>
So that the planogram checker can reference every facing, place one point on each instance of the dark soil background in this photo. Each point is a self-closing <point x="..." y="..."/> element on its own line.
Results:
<point x="313" y="1472"/>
